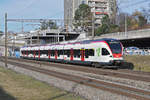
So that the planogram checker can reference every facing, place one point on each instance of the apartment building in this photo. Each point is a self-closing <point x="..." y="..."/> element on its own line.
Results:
<point x="70" y="6"/>
<point x="99" y="8"/>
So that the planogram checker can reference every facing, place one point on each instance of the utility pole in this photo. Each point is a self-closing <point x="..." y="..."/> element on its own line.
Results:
<point x="126" y="26"/>
<point x="93" y="25"/>
<point x="58" y="35"/>
<point x="38" y="37"/>
<point x="6" y="41"/>
<point x="14" y="39"/>
<point x="22" y="29"/>
<point x="0" y="27"/>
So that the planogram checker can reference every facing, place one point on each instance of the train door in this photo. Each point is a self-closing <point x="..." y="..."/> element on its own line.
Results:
<point x="71" y="54"/>
<point x="105" y="55"/>
<point x="27" y="53"/>
<point x="23" y="53"/>
<point x="56" y="54"/>
<point x="82" y="54"/>
<point x="49" y="54"/>
<point x="39" y="54"/>
<point x="34" y="54"/>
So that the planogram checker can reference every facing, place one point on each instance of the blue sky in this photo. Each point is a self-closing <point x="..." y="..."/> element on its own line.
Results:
<point x="130" y="6"/>
<point x="30" y="9"/>
<point x="37" y="9"/>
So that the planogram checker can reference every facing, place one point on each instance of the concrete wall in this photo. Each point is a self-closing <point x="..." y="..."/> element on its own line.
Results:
<point x="145" y="33"/>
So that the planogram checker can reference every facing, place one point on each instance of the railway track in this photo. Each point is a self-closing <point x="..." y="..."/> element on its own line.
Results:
<point x="138" y="94"/>
<point x="126" y="74"/>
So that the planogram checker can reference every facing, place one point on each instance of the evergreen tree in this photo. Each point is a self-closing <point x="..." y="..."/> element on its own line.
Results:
<point x="48" y="25"/>
<point x="83" y="16"/>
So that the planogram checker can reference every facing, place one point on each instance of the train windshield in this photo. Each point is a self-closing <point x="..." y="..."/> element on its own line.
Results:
<point x="115" y="46"/>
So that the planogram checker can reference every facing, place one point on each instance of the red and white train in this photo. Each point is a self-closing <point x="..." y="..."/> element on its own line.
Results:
<point x="100" y="52"/>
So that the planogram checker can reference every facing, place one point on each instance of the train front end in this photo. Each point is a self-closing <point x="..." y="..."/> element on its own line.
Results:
<point x="116" y="51"/>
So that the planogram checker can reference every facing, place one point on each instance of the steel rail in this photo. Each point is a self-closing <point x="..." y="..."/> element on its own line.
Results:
<point x="138" y="76"/>
<point x="138" y="94"/>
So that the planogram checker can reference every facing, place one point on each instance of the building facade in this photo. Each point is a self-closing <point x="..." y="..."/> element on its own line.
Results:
<point x="98" y="7"/>
<point x="70" y="6"/>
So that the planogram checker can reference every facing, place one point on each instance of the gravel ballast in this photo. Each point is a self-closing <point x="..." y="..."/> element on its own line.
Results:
<point x="122" y="81"/>
<point x="84" y="91"/>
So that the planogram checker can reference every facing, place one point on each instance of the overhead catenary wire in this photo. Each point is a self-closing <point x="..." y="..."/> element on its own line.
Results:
<point x="14" y="14"/>
<point x="24" y="8"/>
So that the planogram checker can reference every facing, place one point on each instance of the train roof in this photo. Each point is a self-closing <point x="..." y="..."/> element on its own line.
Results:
<point x="104" y="39"/>
<point x="77" y="42"/>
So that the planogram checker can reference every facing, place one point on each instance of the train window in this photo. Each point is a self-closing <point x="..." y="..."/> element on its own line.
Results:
<point x="76" y="53"/>
<point x="68" y="53"/>
<point x="52" y="53"/>
<point x="60" y="52"/>
<point x="56" y="53"/>
<point x="105" y="52"/>
<point x="65" y="52"/>
<point x="41" y="52"/>
<point x="36" y="52"/>
<point x="44" y="52"/>
<point x="25" y="52"/>
<point x="91" y="52"/>
<point x="86" y="53"/>
<point x="31" y="52"/>
<point x="28" y="52"/>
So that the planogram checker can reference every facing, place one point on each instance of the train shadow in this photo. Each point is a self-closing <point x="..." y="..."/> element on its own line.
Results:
<point x="5" y="96"/>
<point x="127" y="65"/>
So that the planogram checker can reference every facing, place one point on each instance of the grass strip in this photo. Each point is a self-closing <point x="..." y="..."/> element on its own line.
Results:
<point x="141" y="63"/>
<point x="14" y="86"/>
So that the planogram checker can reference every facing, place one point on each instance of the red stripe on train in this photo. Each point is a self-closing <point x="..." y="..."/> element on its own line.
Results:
<point x="117" y="55"/>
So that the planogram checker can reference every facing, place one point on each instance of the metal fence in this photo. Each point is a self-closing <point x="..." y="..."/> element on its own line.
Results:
<point x="137" y="52"/>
